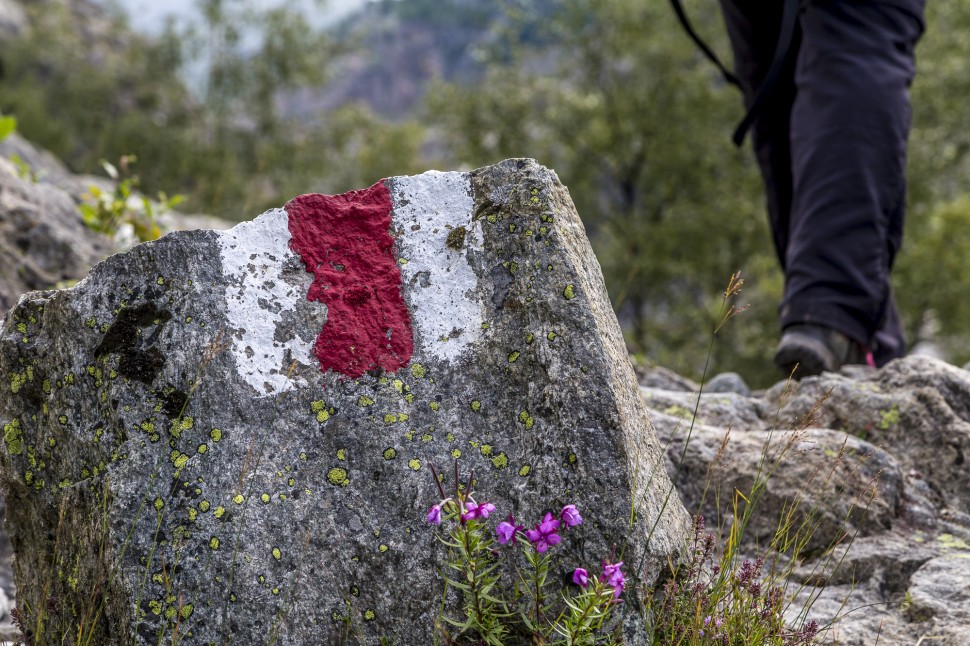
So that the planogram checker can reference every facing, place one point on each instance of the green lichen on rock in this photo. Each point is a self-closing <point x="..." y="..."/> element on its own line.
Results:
<point x="889" y="418"/>
<point x="338" y="477"/>
<point x="456" y="238"/>
<point x="569" y="292"/>
<point x="418" y="371"/>
<point x="14" y="438"/>
<point x="321" y="410"/>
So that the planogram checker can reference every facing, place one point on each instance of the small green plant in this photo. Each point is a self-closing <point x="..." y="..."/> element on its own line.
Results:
<point x="7" y="126"/>
<point x="107" y="211"/>
<point x="527" y="609"/>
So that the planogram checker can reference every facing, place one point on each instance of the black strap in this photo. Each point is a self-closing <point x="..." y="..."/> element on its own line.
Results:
<point x="682" y="15"/>
<point x="789" y="18"/>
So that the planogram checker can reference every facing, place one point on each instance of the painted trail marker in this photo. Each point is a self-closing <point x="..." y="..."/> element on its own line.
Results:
<point x="228" y="434"/>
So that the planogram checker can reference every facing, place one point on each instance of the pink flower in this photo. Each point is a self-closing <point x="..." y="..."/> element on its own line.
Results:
<point x="434" y="515"/>
<point x="548" y="524"/>
<point x="473" y="510"/>
<point x="506" y="530"/>
<point x="581" y="577"/>
<point x="544" y="535"/>
<point x="570" y="516"/>
<point x="614" y="577"/>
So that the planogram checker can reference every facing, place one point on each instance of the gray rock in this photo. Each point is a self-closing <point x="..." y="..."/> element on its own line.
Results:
<point x="728" y="382"/>
<point x="13" y="19"/>
<point x="175" y="453"/>
<point x="42" y="238"/>
<point x="896" y="571"/>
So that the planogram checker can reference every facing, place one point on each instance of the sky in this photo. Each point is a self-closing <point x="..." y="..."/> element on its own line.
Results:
<point x="149" y="15"/>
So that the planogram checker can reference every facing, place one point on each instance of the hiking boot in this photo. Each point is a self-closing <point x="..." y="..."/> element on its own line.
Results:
<point x="814" y="349"/>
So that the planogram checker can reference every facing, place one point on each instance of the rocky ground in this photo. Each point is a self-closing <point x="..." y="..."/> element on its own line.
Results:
<point x="879" y="454"/>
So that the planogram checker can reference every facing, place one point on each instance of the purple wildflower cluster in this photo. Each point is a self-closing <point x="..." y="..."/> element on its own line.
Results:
<point x="545" y="534"/>
<point x="612" y="576"/>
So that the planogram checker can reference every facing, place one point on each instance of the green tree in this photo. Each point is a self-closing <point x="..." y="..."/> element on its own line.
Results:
<point x="637" y="124"/>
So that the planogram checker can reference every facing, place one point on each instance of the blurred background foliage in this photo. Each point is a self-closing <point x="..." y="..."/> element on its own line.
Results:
<point x="241" y="107"/>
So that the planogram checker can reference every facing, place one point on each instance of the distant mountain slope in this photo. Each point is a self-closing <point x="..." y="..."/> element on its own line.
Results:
<point x="394" y="48"/>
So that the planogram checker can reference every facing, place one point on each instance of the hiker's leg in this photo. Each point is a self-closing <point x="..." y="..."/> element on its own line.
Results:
<point x="849" y="126"/>
<point x="753" y="27"/>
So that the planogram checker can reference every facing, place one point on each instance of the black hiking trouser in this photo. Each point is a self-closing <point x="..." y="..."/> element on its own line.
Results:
<point x="830" y="141"/>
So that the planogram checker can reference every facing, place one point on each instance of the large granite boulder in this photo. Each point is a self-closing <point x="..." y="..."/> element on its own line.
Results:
<point x="874" y="459"/>
<point x="228" y="435"/>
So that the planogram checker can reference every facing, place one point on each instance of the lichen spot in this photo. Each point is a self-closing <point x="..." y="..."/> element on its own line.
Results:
<point x="265" y="498"/>
<point x="180" y="461"/>
<point x="435" y="406"/>
<point x="551" y="336"/>
<point x="456" y="238"/>
<point x="418" y="371"/>
<point x="214" y="543"/>
<point x="277" y="554"/>
<point x="526" y="418"/>
<point x="569" y="293"/>
<point x="215" y="434"/>
<point x="323" y="412"/>
<point x="192" y="514"/>
<point x="203" y="448"/>
<point x="219" y="512"/>
<point x="369" y="615"/>
<point x="456" y="453"/>
<point x="160" y="280"/>
<point x="485" y="449"/>
<point x="239" y="499"/>
<point x="390" y="453"/>
<point x="303" y="456"/>
<point x="204" y="506"/>
<point x="337" y="476"/>
<point x="341" y="454"/>
<point x="382" y="548"/>
<point x="514" y="356"/>
<point x="13" y="437"/>
<point x="186" y="611"/>
<point x="159" y="503"/>
<point x="415" y="464"/>
<point x="525" y="470"/>
<point x="500" y="461"/>
<point x="364" y="400"/>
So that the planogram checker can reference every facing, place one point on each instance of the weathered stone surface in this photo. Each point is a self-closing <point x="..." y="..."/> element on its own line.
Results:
<point x="42" y="237"/>
<point x="173" y="448"/>
<point x="902" y="432"/>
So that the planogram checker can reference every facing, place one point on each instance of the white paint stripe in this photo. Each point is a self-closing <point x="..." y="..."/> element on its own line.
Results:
<point x="254" y="255"/>
<point x="439" y="284"/>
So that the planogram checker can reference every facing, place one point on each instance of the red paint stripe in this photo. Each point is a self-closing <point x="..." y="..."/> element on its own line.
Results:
<point x="345" y="243"/>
